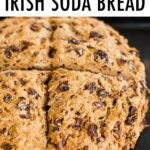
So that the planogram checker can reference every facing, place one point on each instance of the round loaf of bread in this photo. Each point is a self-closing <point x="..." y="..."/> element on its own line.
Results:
<point x="69" y="84"/>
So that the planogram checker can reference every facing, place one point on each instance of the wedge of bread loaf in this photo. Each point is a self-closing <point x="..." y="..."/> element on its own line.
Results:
<point x="22" y="115"/>
<point x="24" y="43"/>
<point x="94" y="111"/>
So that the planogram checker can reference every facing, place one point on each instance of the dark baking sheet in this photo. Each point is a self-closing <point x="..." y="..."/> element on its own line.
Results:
<point x="137" y="30"/>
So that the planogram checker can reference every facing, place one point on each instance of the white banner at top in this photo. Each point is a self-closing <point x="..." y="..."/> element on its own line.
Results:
<point x="75" y="8"/>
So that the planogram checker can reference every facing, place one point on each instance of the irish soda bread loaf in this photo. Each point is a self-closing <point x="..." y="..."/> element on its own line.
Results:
<point x="69" y="84"/>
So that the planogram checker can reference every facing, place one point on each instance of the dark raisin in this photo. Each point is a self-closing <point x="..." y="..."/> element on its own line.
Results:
<point x="128" y="136"/>
<point x="77" y="113"/>
<point x="23" y="106"/>
<point x="52" y="52"/>
<point x="144" y="122"/>
<point x="116" y="130"/>
<point x="74" y="41"/>
<point x="4" y="86"/>
<point x="132" y="111"/>
<point x="121" y="61"/>
<point x="125" y="147"/>
<point x="7" y="53"/>
<point x="37" y="96"/>
<point x="35" y="54"/>
<point x="90" y="46"/>
<point x="7" y="146"/>
<point x="85" y="147"/>
<point x="72" y="96"/>
<point x="131" y="116"/>
<point x="123" y="54"/>
<point x="94" y="34"/>
<point x="135" y="52"/>
<point x="59" y="120"/>
<point x="47" y="27"/>
<point x="69" y="49"/>
<point x="71" y="109"/>
<point x="63" y="142"/>
<point x="118" y="41"/>
<point x="62" y="136"/>
<point x="100" y="139"/>
<point x="63" y="87"/>
<point x="66" y="112"/>
<point x="25" y="116"/>
<point x="92" y="130"/>
<point x="25" y="45"/>
<point x="97" y="104"/>
<point x="101" y="54"/>
<point x="78" y="123"/>
<point x="54" y="27"/>
<point x="21" y="98"/>
<point x="120" y="76"/>
<point x="1" y="111"/>
<point x="31" y="91"/>
<point x="15" y="82"/>
<point x="53" y="144"/>
<point x="103" y="124"/>
<point x="79" y="51"/>
<point x="56" y="128"/>
<point x="23" y="81"/>
<point x="90" y="86"/>
<point x="14" y="48"/>
<point x="35" y="27"/>
<point x="12" y="74"/>
<point x="143" y="86"/>
<point x="102" y="94"/>
<point x="2" y="131"/>
<point x="7" y="98"/>
<point x="132" y="120"/>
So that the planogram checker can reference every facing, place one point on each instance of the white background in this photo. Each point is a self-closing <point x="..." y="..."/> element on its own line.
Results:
<point x="48" y="5"/>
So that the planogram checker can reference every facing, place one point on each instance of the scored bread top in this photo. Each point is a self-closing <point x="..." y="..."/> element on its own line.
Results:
<point x="93" y="99"/>
<point x="84" y="44"/>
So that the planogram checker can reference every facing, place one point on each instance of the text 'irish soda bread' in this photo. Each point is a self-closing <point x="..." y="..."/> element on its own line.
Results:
<point x="94" y="111"/>
<point x="69" y="84"/>
<point x="22" y="115"/>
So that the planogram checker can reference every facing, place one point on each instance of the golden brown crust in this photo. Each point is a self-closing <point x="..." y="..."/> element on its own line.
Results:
<point x="89" y="44"/>
<point x="72" y="43"/>
<point x="94" y="111"/>
<point x="100" y="105"/>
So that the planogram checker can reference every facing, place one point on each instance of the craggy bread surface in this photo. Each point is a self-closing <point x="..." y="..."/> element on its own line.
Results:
<point x="22" y="115"/>
<point x="94" y="98"/>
